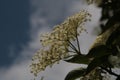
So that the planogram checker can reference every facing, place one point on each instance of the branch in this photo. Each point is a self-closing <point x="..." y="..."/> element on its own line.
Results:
<point x="110" y="71"/>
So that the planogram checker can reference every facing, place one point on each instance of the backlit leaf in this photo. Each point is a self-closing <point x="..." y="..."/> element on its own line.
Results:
<point x="74" y="74"/>
<point x="99" y="51"/>
<point x="80" y="59"/>
<point x="96" y="62"/>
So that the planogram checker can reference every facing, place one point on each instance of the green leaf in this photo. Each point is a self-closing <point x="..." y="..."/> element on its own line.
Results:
<point x="74" y="74"/>
<point x="115" y="19"/>
<point x="80" y="59"/>
<point x="96" y="62"/>
<point x="114" y="38"/>
<point x="98" y="51"/>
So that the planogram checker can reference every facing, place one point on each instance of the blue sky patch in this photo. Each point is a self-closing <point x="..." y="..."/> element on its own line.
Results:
<point x="14" y="28"/>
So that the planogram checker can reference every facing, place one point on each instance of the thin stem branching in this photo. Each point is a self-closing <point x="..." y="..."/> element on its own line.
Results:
<point x="73" y="47"/>
<point x="110" y="71"/>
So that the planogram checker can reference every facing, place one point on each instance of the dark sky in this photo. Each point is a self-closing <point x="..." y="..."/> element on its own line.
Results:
<point x="14" y="28"/>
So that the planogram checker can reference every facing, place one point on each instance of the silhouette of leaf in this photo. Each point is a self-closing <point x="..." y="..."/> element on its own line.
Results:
<point x="74" y="74"/>
<point x="99" y="51"/>
<point x="96" y="62"/>
<point x="80" y="59"/>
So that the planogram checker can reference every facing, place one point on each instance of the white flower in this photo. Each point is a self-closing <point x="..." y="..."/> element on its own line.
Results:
<point x="56" y="43"/>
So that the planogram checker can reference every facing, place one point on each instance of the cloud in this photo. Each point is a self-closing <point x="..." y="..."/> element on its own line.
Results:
<point x="45" y="14"/>
<point x="16" y="72"/>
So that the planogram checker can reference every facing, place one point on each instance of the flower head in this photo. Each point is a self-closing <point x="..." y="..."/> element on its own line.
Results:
<point x="56" y="43"/>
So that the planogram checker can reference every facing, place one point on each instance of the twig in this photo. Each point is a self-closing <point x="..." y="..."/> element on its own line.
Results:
<point x="71" y="51"/>
<point x="73" y="47"/>
<point x="78" y="44"/>
<point x="109" y="71"/>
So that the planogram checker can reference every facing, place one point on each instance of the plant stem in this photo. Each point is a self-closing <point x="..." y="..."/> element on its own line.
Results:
<point x="73" y="47"/>
<point x="109" y="71"/>
<point x="78" y="44"/>
<point x="71" y="51"/>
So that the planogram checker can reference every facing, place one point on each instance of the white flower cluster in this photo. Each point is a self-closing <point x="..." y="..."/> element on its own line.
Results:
<point x="55" y="44"/>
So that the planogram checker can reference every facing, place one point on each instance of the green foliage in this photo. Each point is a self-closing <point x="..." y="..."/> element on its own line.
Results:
<point x="99" y="51"/>
<point x="114" y="38"/>
<point x="97" y="57"/>
<point x="80" y="59"/>
<point x="96" y="62"/>
<point x="74" y="74"/>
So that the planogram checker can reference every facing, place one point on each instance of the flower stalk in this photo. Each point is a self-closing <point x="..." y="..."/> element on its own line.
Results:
<point x="56" y="44"/>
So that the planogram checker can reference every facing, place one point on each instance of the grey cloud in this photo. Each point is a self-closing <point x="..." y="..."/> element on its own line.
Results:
<point x="54" y="11"/>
